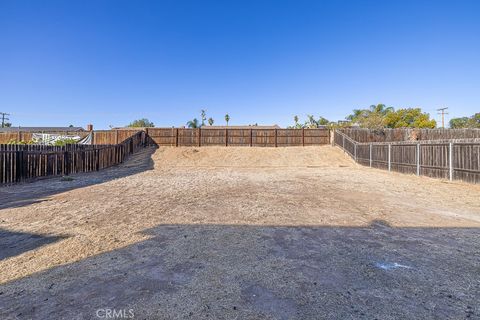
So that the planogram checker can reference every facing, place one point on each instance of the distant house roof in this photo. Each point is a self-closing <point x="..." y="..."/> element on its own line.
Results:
<point x="275" y="126"/>
<point x="129" y="128"/>
<point x="41" y="129"/>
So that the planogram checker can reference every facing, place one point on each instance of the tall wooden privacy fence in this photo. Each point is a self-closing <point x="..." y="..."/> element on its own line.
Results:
<point x="179" y="137"/>
<point x="24" y="162"/>
<point x="447" y="160"/>
<point x="409" y="134"/>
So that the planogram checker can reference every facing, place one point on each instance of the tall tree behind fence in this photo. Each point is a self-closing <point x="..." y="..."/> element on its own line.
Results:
<point x="237" y="137"/>
<point x="448" y="160"/>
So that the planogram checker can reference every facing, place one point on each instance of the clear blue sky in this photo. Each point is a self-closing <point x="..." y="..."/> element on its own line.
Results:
<point x="109" y="62"/>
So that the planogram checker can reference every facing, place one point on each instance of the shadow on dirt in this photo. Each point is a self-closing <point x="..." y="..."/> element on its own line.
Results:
<point x="15" y="243"/>
<point x="265" y="272"/>
<point x="38" y="191"/>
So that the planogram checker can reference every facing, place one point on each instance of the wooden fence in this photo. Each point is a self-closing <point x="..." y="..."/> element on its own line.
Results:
<point x="448" y="160"/>
<point x="112" y="136"/>
<point x="409" y="134"/>
<point x="99" y="136"/>
<point x="199" y="137"/>
<point x="25" y="162"/>
<point x="179" y="137"/>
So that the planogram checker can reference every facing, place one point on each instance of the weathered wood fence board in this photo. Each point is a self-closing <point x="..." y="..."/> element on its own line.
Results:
<point x="25" y="162"/>
<point x="237" y="137"/>
<point x="446" y="160"/>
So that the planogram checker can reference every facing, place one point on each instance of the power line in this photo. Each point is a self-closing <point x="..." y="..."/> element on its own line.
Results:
<point x="443" y="113"/>
<point x="4" y="118"/>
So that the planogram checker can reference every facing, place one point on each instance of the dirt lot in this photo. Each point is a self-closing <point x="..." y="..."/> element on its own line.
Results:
<point x="240" y="233"/>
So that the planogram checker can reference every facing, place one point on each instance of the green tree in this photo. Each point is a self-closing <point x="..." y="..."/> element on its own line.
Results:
<point x="323" y="121"/>
<point x="141" y="123"/>
<point x="475" y="121"/>
<point x="227" y="118"/>
<point x="203" y="115"/>
<point x="380" y="116"/>
<point x="371" y="117"/>
<point x="357" y="114"/>
<point x="466" y="122"/>
<point x="7" y="124"/>
<point x="459" y="123"/>
<point x="295" y="119"/>
<point x="372" y="120"/>
<point x="311" y="122"/>
<point x="409" y="118"/>
<point x="210" y="121"/>
<point x="381" y="109"/>
<point x="193" y="123"/>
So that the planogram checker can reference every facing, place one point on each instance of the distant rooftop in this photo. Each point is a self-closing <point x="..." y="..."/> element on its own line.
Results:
<point x="275" y="126"/>
<point x="41" y="129"/>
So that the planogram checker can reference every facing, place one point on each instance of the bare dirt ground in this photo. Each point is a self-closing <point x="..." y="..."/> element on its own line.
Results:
<point x="240" y="233"/>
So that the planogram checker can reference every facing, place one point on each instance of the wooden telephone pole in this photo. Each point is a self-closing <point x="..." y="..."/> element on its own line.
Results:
<point x="443" y="113"/>
<point x="4" y="118"/>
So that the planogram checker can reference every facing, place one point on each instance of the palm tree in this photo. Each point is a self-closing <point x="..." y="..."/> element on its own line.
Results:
<point x="357" y="113"/>
<point x="311" y="123"/>
<point x="210" y="121"/>
<point x="323" y="121"/>
<point x="227" y="118"/>
<point x="381" y="109"/>
<point x="193" y="123"/>
<point x="295" y="118"/>
<point x="203" y="114"/>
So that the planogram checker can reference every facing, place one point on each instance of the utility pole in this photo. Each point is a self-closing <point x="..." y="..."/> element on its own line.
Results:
<point x="4" y="118"/>
<point x="443" y="113"/>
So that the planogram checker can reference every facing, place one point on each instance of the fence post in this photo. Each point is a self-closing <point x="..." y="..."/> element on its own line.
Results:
<point x="176" y="137"/>
<point x="20" y="162"/>
<point x="199" y="137"/>
<point x="66" y="158"/>
<point x="251" y="137"/>
<point x="370" y="155"/>
<point x="97" y="160"/>
<point x="450" y="160"/>
<point x="389" y="157"/>
<point x="343" y="143"/>
<point x="226" y="137"/>
<point x="276" y="138"/>
<point x="418" y="159"/>
<point x="303" y="137"/>
<point x="355" y="151"/>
